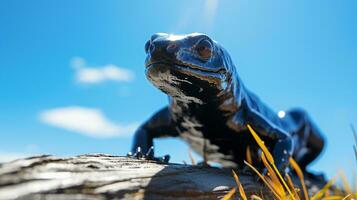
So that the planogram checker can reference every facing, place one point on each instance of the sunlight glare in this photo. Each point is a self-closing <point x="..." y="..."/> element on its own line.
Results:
<point x="281" y="114"/>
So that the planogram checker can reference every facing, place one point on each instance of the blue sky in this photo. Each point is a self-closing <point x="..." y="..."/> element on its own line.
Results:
<point x="85" y="59"/>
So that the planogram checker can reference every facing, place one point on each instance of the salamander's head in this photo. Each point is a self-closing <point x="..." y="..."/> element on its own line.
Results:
<point x="193" y="66"/>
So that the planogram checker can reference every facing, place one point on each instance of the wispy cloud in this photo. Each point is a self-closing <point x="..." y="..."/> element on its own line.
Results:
<point x="206" y="13"/>
<point x="209" y="13"/>
<point x="98" y="74"/>
<point x="86" y="121"/>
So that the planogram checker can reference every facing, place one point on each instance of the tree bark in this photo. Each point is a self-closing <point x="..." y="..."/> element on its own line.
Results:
<point x="100" y="176"/>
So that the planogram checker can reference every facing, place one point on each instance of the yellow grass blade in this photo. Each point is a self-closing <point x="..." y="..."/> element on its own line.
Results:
<point x="347" y="196"/>
<point x="298" y="171"/>
<point x="322" y="192"/>
<point x="276" y="187"/>
<point x="355" y="136"/>
<point x="354" y="133"/>
<point x="274" y="178"/>
<point x="261" y="144"/>
<point x="229" y="195"/>
<point x="346" y="185"/>
<point x="335" y="197"/>
<point x="291" y="185"/>
<point x="255" y="197"/>
<point x="193" y="160"/>
<point x="269" y="158"/>
<point x="283" y="181"/>
<point x="351" y="196"/>
<point x="240" y="187"/>
<point x="248" y="155"/>
<point x="355" y="182"/>
<point x="264" y="180"/>
<point x="355" y="149"/>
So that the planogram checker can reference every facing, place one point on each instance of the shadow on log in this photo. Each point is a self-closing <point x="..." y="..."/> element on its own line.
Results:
<point x="100" y="176"/>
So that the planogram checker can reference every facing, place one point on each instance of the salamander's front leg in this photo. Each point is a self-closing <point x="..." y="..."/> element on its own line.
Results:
<point x="159" y="125"/>
<point x="282" y="150"/>
<point x="143" y="147"/>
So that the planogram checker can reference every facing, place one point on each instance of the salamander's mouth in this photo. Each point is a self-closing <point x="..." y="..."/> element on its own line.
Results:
<point x="186" y="68"/>
<point x="179" y="80"/>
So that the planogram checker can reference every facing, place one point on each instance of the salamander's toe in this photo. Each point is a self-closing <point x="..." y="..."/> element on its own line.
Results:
<point x="138" y="154"/>
<point x="162" y="159"/>
<point x="150" y="153"/>
<point x="165" y="159"/>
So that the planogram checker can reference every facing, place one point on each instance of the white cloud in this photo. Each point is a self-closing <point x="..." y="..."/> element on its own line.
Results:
<point x="86" y="121"/>
<point x="91" y="75"/>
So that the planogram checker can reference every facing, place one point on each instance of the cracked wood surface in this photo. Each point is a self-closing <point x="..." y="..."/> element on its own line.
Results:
<point x="100" y="176"/>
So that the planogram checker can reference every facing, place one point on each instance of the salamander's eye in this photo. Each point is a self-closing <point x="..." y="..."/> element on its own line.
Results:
<point x="204" y="49"/>
<point x="147" y="46"/>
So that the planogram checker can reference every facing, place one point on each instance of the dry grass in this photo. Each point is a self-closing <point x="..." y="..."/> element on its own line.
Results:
<point x="240" y="186"/>
<point x="355" y="136"/>
<point x="284" y="189"/>
<point x="193" y="160"/>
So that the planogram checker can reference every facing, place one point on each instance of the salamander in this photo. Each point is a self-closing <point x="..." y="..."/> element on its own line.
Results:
<point x="210" y="107"/>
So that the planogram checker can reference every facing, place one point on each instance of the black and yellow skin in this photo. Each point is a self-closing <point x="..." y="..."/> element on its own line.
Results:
<point x="209" y="107"/>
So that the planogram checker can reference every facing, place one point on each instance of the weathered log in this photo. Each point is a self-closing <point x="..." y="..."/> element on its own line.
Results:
<point x="100" y="176"/>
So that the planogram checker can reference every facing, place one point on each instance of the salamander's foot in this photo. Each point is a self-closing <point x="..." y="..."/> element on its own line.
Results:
<point x="149" y="155"/>
<point x="163" y="159"/>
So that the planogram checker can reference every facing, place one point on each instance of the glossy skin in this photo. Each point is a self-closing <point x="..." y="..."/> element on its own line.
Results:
<point x="209" y="107"/>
